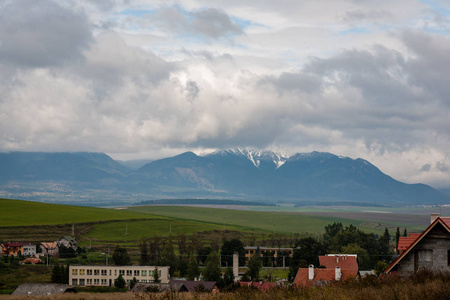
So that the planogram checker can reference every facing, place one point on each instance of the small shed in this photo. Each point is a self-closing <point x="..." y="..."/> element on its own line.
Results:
<point x="36" y="289"/>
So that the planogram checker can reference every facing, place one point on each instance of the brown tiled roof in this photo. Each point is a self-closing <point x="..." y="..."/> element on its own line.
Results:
<point x="344" y="262"/>
<point x="35" y="289"/>
<point x="190" y="285"/>
<point x="444" y="221"/>
<point x="321" y="276"/>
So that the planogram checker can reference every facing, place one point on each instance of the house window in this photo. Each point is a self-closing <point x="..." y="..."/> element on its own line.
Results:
<point x="150" y="273"/>
<point x="144" y="273"/>
<point x="425" y="255"/>
<point x="136" y="272"/>
<point x="82" y="271"/>
<point x="74" y="281"/>
<point x="89" y="272"/>
<point x="97" y="281"/>
<point x="103" y="281"/>
<point x="82" y="282"/>
<point x="144" y="281"/>
<point x="96" y="272"/>
<point x="115" y="272"/>
<point x="104" y="273"/>
<point x="89" y="281"/>
<point x="129" y="273"/>
<point x="74" y="271"/>
<point x="122" y="272"/>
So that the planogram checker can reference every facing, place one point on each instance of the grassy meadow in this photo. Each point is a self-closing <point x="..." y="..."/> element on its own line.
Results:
<point x="29" y="213"/>
<point x="279" y="222"/>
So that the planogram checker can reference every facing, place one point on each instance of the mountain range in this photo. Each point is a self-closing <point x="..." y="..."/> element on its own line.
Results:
<point x="314" y="178"/>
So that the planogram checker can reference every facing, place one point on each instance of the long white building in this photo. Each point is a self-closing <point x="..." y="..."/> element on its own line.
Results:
<point x="105" y="275"/>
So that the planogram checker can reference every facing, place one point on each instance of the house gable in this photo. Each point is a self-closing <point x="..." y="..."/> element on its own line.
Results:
<point x="430" y="250"/>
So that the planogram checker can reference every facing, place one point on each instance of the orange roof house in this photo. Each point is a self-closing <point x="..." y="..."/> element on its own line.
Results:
<point x="343" y="261"/>
<point x="428" y="250"/>
<point x="13" y="249"/>
<point x="405" y="241"/>
<point x="309" y="277"/>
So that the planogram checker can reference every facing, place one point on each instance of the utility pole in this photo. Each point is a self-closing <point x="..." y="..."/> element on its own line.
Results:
<point x="126" y="228"/>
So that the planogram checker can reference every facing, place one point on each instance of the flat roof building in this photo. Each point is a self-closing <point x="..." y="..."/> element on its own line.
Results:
<point x="105" y="275"/>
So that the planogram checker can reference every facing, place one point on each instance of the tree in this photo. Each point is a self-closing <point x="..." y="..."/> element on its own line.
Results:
<point x="405" y="233"/>
<point x="229" y="248"/>
<point x="120" y="256"/>
<point x="144" y="261"/>
<point x="363" y="257"/>
<point x="306" y="252"/>
<point x="56" y="274"/>
<point x="397" y="236"/>
<point x="212" y="271"/>
<point x="133" y="282"/>
<point x="156" y="275"/>
<point x="168" y="257"/>
<point x="193" y="271"/>
<point x="119" y="282"/>
<point x="254" y="266"/>
<point x="228" y="277"/>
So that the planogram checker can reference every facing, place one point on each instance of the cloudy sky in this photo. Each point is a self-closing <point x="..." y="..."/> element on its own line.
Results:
<point x="150" y="79"/>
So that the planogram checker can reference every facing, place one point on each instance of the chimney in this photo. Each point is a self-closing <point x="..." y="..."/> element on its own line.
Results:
<point x="337" y="259"/>
<point x="337" y="274"/>
<point x="434" y="216"/>
<point x="311" y="272"/>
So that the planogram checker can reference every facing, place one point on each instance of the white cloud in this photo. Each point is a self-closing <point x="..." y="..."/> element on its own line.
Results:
<point x="355" y="78"/>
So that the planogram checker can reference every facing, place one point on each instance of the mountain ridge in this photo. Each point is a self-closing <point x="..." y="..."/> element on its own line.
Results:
<point x="314" y="177"/>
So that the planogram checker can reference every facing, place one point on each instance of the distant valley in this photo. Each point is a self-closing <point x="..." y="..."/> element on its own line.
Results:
<point x="314" y="178"/>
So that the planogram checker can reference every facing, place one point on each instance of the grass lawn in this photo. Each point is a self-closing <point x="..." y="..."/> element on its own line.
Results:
<point x="138" y="229"/>
<point x="24" y="213"/>
<point x="279" y="222"/>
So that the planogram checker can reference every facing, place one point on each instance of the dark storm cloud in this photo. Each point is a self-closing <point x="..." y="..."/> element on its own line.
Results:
<point x="35" y="33"/>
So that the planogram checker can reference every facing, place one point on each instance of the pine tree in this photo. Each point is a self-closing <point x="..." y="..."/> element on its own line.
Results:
<point x="193" y="271"/>
<point x="119" y="282"/>
<point x="405" y="233"/>
<point x="254" y="266"/>
<point x="397" y="236"/>
<point x="144" y="253"/>
<point x="212" y="271"/>
<point x="56" y="274"/>
<point x="228" y="277"/>
<point x="156" y="275"/>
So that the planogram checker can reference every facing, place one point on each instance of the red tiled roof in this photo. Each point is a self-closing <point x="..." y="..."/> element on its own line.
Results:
<point x="13" y="244"/>
<point x="445" y="221"/>
<point x="405" y="241"/>
<point x="32" y="260"/>
<point x="344" y="262"/>
<point x="321" y="275"/>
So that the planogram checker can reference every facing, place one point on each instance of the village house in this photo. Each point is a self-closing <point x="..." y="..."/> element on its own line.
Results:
<point x="38" y="289"/>
<point x="193" y="286"/>
<point x="68" y="242"/>
<point x="12" y="249"/>
<point x="49" y="248"/>
<point x="29" y="249"/>
<point x="105" y="275"/>
<point x="338" y="267"/>
<point x="429" y="250"/>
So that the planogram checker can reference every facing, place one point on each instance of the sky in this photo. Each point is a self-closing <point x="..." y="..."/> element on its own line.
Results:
<point x="151" y="79"/>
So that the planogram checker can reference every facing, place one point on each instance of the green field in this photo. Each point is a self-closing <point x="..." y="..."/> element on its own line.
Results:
<point x="279" y="222"/>
<point x="125" y="225"/>
<point x="23" y="213"/>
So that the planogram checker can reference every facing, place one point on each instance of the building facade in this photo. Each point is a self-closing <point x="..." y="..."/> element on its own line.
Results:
<point x="277" y="252"/>
<point x="29" y="249"/>
<point x="430" y="250"/>
<point x="105" y="275"/>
